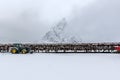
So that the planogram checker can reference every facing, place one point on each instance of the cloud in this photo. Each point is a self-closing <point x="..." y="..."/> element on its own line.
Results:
<point x="97" y="22"/>
<point x="28" y="20"/>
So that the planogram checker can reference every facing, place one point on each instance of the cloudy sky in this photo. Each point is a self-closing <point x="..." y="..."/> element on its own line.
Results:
<point x="29" y="20"/>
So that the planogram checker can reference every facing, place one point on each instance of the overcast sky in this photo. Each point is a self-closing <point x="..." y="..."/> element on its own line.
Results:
<point x="29" y="20"/>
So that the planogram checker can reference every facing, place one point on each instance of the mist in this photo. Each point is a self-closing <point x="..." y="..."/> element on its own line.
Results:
<point x="29" y="20"/>
<point x="97" y="22"/>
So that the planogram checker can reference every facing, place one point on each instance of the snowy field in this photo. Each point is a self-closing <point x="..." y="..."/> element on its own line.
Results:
<point x="59" y="66"/>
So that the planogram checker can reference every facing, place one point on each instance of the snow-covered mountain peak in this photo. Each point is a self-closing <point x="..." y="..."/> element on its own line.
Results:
<point x="57" y="34"/>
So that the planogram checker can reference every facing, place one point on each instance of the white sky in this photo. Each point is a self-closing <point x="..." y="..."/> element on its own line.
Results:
<point x="29" y="20"/>
<point x="47" y="9"/>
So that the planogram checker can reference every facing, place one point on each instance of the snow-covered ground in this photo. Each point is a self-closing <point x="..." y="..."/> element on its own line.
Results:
<point x="59" y="66"/>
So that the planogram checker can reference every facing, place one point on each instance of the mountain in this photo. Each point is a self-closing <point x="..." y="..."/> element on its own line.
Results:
<point x="57" y="34"/>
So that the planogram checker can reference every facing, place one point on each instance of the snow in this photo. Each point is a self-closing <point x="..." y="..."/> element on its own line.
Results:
<point x="58" y="35"/>
<point x="44" y="66"/>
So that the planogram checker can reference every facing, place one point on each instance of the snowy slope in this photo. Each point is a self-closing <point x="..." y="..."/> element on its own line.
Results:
<point x="59" y="66"/>
<point x="58" y="35"/>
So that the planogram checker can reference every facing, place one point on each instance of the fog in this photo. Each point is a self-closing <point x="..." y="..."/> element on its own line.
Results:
<point x="98" y="22"/>
<point x="29" y="20"/>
